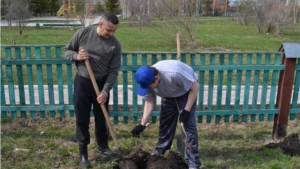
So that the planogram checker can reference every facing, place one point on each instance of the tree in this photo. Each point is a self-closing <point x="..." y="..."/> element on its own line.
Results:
<point x="244" y="11"/>
<point x="6" y="11"/>
<point x="112" y="6"/>
<point x="296" y="8"/>
<point x="83" y="12"/>
<point x="37" y="7"/>
<point x="207" y="7"/>
<point x="175" y="20"/>
<point x="19" y="11"/>
<point x="278" y="16"/>
<point x="260" y="9"/>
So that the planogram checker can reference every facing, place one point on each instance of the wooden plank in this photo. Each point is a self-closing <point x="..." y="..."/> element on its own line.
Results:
<point x="30" y="81"/>
<point x="274" y="83"/>
<point x="220" y="87"/>
<point x="201" y="80"/>
<point x="247" y="88"/>
<point x="125" y="88"/>
<point x="115" y="102"/>
<point x="154" y="60"/>
<point x="20" y="81"/>
<point x="40" y="108"/>
<point x="183" y="58"/>
<point x="204" y="113"/>
<point x="229" y="87"/>
<point x="50" y="81"/>
<point x="255" y="87"/>
<point x="134" y="93"/>
<point x="34" y="62"/>
<point x="39" y="72"/>
<point x="174" y="56"/>
<point x="60" y="85"/>
<point x="3" y="113"/>
<point x="210" y="87"/>
<point x="70" y="88"/>
<point x="238" y="87"/>
<point x="265" y="84"/>
<point x="10" y="82"/>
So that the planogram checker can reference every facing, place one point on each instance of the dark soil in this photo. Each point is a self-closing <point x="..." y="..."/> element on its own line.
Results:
<point x="140" y="159"/>
<point x="290" y="145"/>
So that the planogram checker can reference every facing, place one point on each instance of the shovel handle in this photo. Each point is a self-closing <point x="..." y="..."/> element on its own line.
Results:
<point x="111" y="130"/>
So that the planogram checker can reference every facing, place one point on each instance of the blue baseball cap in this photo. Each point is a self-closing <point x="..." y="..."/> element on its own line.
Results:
<point x="144" y="77"/>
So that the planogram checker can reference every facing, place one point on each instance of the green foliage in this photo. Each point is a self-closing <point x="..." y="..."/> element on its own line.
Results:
<point x="41" y="7"/>
<point x="112" y="6"/>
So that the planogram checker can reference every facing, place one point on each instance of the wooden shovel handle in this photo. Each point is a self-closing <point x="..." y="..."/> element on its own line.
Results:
<point x="111" y="130"/>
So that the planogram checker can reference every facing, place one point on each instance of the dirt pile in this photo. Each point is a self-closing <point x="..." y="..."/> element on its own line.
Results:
<point x="290" y="145"/>
<point x="143" y="160"/>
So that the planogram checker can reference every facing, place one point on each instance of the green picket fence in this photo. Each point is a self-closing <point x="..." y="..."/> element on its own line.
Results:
<point x="37" y="82"/>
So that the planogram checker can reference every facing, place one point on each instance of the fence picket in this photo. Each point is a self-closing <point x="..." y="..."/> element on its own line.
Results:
<point x="210" y="87"/>
<point x="255" y="87"/>
<point x="247" y="88"/>
<point x="30" y="81"/>
<point x="125" y="88"/>
<point x="229" y="87"/>
<point x="60" y="81"/>
<point x="238" y="87"/>
<point x="220" y="87"/>
<point x="10" y="82"/>
<point x="50" y="82"/>
<point x="20" y="81"/>
<point x="39" y="70"/>
<point x="201" y="89"/>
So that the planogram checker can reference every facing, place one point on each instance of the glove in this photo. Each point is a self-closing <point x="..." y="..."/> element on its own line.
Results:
<point x="137" y="130"/>
<point x="184" y="116"/>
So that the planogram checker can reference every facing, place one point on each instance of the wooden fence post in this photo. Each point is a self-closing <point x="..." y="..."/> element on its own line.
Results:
<point x="285" y="87"/>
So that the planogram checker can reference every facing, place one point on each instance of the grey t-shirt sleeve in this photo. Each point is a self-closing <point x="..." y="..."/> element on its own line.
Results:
<point x="72" y="48"/>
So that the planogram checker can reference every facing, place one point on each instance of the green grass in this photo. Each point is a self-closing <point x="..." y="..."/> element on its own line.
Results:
<point x="224" y="35"/>
<point x="49" y="143"/>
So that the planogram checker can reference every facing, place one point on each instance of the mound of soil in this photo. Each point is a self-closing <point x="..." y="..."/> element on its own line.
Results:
<point x="140" y="159"/>
<point x="290" y="145"/>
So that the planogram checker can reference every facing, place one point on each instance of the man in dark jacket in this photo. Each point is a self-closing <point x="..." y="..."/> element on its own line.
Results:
<point x="104" y="53"/>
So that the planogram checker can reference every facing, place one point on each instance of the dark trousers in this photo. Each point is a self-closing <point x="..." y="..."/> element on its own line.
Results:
<point x="84" y="98"/>
<point x="167" y="127"/>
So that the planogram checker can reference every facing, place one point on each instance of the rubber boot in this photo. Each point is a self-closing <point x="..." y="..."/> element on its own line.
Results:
<point x="83" y="156"/>
<point x="103" y="147"/>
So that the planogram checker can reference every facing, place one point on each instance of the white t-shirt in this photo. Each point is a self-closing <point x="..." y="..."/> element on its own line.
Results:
<point x="176" y="79"/>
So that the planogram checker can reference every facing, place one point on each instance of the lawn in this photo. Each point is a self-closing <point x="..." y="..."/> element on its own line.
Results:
<point x="216" y="35"/>
<point x="50" y="143"/>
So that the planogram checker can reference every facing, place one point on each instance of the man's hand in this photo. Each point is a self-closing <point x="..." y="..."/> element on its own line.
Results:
<point x="102" y="97"/>
<point x="82" y="54"/>
<point x="184" y="116"/>
<point x="137" y="130"/>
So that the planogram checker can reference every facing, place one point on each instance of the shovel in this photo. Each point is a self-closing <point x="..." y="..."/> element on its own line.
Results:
<point x="128" y="164"/>
<point x="182" y="139"/>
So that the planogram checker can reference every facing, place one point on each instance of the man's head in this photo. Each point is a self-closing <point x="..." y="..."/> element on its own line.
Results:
<point x="108" y="25"/>
<point x="146" y="78"/>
